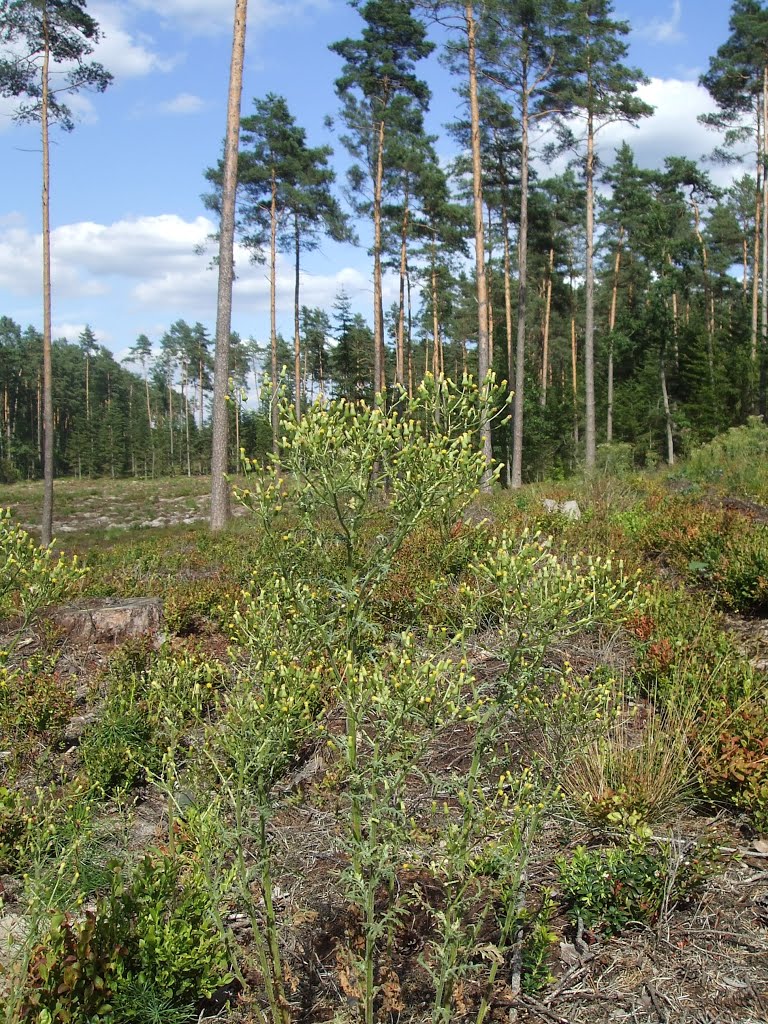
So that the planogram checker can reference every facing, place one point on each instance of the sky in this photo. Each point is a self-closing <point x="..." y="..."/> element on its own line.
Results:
<point x="126" y="211"/>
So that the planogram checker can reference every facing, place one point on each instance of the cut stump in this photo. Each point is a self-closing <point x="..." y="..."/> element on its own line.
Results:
<point x="109" y="620"/>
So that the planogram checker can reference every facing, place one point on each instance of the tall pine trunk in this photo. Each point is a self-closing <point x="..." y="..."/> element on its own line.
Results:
<point x="611" y="328"/>
<point x="437" y="362"/>
<point x="46" y="532"/>
<point x="379" y="382"/>
<point x="590" y="438"/>
<point x="274" y="408"/>
<point x="516" y="479"/>
<point x="219" y="451"/>
<point x="296" y="317"/>
<point x="508" y="295"/>
<point x="483" y="362"/>
<point x="400" y="352"/>
<point x="545" y="332"/>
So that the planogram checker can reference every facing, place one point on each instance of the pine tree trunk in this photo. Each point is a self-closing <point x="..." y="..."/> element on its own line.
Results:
<point x="149" y="420"/>
<point x="296" y="324"/>
<point x="590" y="438"/>
<point x="611" y="328"/>
<point x="477" y="197"/>
<point x="508" y="299"/>
<point x="574" y="378"/>
<point x="400" y="352"/>
<point x="185" y="393"/>
<point x="756" y="250"/>
<point x="170" y="417"/>
<point x="667" y="413"/>
<point x="219" y="450"/>
<point x="436" y="346"/>
<point x="409" y="330"/>
<point x="545" y="333"/>
<point x="88" y="412"/>
<point x="489" y="279"/>
<point x="379" y="383"/>
<point x="708" y="312"/>
<point x="274" y="408"/>
<point x="201" y="399"/>
<point x="516" y="479"/>
<point x="46" y="532"/>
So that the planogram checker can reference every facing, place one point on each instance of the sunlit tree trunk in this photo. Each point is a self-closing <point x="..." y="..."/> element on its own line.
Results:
<point x="611" y="328"/>
<point x="667" y="412"/>
<point x="436" y="344"/>
<point x="46" y="532"/>
<point x="400" y="343"/>
<point x="297" y="381"/>
<point x="379" y="382"/>
<point x="477" y="198"/>
<point x="219" y="489"/>
<point x="274" y="407"/>
<point x="545" y="332"/>
<point x="590" y="437"/>
<point x="516" y="476"/>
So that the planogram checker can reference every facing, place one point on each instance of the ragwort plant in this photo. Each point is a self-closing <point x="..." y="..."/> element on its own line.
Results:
<point x="535" y="598"/>
<point x="392" y="708"/>
<point x="352" y="482"/>
<point x="31" y="576"/>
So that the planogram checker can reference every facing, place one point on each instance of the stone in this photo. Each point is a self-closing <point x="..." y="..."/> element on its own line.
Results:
<point x="571" y="510"/>
<point x="77" y="726"/>
<point x="13" y="931"/>
<point x="109" y="620"/>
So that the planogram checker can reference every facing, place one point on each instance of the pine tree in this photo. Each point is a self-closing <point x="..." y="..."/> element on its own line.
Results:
<point x="737" y="79"/>
<point x="42" y="38"/>
<point x="522" y="45"/>
<point x="219" y="443"/>
<point x="597" y="86"/>
<point x="377" y="76"/>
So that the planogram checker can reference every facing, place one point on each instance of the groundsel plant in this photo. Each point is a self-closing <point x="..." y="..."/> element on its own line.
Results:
<point x="31" y="576"/>
<point x="484" y="829"/>
<point x="538" y="598"/>
<point x="392" y="708"/>
<point x="352" y="481"/>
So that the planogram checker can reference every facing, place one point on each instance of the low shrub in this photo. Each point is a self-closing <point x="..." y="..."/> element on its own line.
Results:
<point x="150" y="947"/>
<point x="736" y="462"/>
<point x="611" y="888"/>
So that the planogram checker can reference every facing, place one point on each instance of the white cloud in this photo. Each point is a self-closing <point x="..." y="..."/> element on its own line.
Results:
<point x="664" y="30"/>
<point x="21" y="255"/>
<point x="124" y="54"/>
<point x="150" y="264"/>
<point x="137" y="248"/>
<point x="673" y="130"/>
<point x="206" y="16"/>
<point x="73" y="331"/>
<point x="194" y="288"/>
<point x="184" y="103"/>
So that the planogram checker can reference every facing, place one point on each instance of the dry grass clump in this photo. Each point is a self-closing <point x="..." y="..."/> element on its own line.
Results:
<point x="641" y="770"/>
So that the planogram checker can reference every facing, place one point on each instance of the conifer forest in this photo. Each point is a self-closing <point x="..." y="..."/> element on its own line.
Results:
<point x="405" y="660"/>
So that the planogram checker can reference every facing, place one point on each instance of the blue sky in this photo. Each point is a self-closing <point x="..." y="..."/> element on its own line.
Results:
<point x="126" y="184"/>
